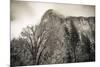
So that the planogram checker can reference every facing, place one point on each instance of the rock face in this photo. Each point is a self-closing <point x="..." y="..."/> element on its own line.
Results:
<point x="69" y="39"/>
<point x="54" y="51"/>
<point x="81" y="38"/>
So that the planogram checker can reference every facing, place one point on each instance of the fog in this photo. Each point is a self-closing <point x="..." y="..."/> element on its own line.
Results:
<point x="30" y="13"/>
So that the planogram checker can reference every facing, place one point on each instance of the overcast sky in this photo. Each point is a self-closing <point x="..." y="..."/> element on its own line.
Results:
<point x="30" y="13"/>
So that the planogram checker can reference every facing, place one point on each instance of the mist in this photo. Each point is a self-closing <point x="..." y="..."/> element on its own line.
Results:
<point x="30" y="13"/>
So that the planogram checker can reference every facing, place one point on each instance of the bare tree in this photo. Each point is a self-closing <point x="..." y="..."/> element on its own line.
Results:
<point x="36" y="42"/>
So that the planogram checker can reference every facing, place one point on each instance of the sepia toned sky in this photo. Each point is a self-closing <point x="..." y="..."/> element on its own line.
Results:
<point x="30" y="13"/>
